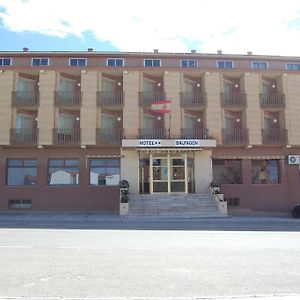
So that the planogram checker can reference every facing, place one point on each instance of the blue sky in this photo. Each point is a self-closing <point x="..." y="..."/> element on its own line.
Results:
<point x="234" y="26"/>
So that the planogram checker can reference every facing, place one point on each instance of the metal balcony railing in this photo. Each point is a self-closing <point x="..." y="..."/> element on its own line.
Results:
<point x="25" y="99"/>
<point x="234" y="136"/>
<point x="109" y="137"/>
<point x="147" y="98"/>
<point x="274" y="136"/>
<point x="233" y="100"/>
<point x="152" y="133"/>
<point x="196" y="99"/>
<point x="66" y="136"/>
<point x="201" y="133"/>
<point x="23" y="136"/>
<point x="67" y="98"/>
<point x="114" y="98"/>
<point x="273" y="100"/>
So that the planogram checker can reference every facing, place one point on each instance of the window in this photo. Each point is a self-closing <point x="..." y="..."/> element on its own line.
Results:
<point x="152" y="62"/>
<point x="40" y="62"/>
<point x="19" y="204"/>
<point x="293" y="66"/>
<point x="259" y="65"/>
<point x="5" y="61"/>
<point x="227" y="171"/>
<point x="189" y="63"/>
<point x="225" y="64"/>
<point x="63" y="172"/>
<point x="115" y="62"/>
<point x="78" y="62"/>
<point x="265" y="171"/>
<point x="21" y="172"/>
<point x="104" y="171"/>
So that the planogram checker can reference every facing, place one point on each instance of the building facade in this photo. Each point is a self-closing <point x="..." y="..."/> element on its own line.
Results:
<point x="72" y="124"/>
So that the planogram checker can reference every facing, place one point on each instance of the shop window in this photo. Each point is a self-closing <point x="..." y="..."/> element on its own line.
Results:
<point x="104" y="171"/>
<point x="227" y="171"/>
<point x="63" y="172"/>
<point x="21" y="172"/>
<point x="265" y="171"/>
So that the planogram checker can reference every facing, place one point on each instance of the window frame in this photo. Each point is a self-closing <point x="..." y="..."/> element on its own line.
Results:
<point x="2" y="61"/>
<point x="259" y="62"/>
<point x="152" y="59"/>
<point x="188" y="63"/>
<point x="225" y="61"/>
<point x="115" y="64"/>
<point x="77" y="58"/>
<point x="21" y="166"/>
<point x="105" y="166"/>
<point x="279" y="172"/>
<point x="63" y="166"/>
<point x="226" y="166"/>
<point x="40" y="59"/>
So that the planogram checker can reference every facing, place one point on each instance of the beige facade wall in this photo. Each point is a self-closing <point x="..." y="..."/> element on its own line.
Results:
<point x="212" y="84"/>
<point x="203" y="171"/>
<point x="46" y="111"/>
<point x="131" y="115"/>
<point x="6" y="88"/>
<point x="130" y="169"/>
<point x="88" y="114"/>
<point x="291" y="88"/>
<point x="172" y="87"/>
<point x="254" y="119"/>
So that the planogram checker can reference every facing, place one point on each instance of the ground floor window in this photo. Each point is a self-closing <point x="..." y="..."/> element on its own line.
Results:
<point x="227" y="171"/>
<point x="21" y="172"/>
<point x="104" y="171"/>
<point x="63" y="172"/>
<point x="265" y="171"/>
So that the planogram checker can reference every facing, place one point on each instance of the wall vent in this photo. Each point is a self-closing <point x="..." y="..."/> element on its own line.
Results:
<point x="19" y="203"/>
<point x="233" y="201"/>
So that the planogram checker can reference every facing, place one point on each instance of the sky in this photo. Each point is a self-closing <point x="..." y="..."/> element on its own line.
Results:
<point x="233" y="26"/>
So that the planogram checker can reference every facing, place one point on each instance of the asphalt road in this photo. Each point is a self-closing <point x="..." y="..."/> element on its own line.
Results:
<point x="108" y="257"/>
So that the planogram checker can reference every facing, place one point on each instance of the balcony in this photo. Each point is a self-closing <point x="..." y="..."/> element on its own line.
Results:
<point x="195" y="100"/>
<point x="23" y="136"/>
<point x="233" y="100"/>
<point x="109" y="137"/>
<point x="272" y="100"/>
<point x="147" y="98"/>
<point x="25" y="99"/>
<point x="234" y="137"/>
<point x="66" y="136"/>
<point x="108" y="99"/>
<point x="152" y="133"/>
<point x="274" y="136"/>
<point x="201" y="133"/>
<point x="67" y="98"/>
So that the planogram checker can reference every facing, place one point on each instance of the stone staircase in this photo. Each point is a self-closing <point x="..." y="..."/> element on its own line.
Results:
<point x="173" y="206"/>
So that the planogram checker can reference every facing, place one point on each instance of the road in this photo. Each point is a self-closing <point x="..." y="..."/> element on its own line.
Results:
<point x="114" y="258"/>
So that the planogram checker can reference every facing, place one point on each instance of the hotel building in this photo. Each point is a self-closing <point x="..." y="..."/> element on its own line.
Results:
<point x="72" y="124"/>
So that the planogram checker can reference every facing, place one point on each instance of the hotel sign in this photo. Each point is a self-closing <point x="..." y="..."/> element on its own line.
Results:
<point x="180" y="143"/>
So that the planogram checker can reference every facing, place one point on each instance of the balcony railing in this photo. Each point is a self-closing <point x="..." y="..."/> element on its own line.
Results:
<point x="233" y="100"/>
<point x="234" y="136"/>
<point x="152" y="133"/>
<point x="23" y="136"/>
<point x="25" y="99"/>
<point x="196" y="99"/>
<point x="274" y="136"/>
<point x="272" y="100"/>
<point x="67" y="98"/>
<point x="147" y="98"/>
<point x="114" y="98"/>
<point x="201" y="133"/>
<point x="66" y="136"/>
<point x="109" y="137"/>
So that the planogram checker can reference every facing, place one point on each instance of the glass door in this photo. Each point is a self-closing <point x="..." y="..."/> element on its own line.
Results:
<point x="160" y="174"/>
<point x="177" y="175"/>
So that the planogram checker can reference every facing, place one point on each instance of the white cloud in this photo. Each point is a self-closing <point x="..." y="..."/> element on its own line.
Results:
<point x="235" y="26"/>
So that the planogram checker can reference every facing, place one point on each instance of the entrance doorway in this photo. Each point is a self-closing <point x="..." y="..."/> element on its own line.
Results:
<point x="168" y="173"/>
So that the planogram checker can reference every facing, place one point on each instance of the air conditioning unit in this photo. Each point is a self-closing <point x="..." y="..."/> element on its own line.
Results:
<point x="293" y="159"/>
